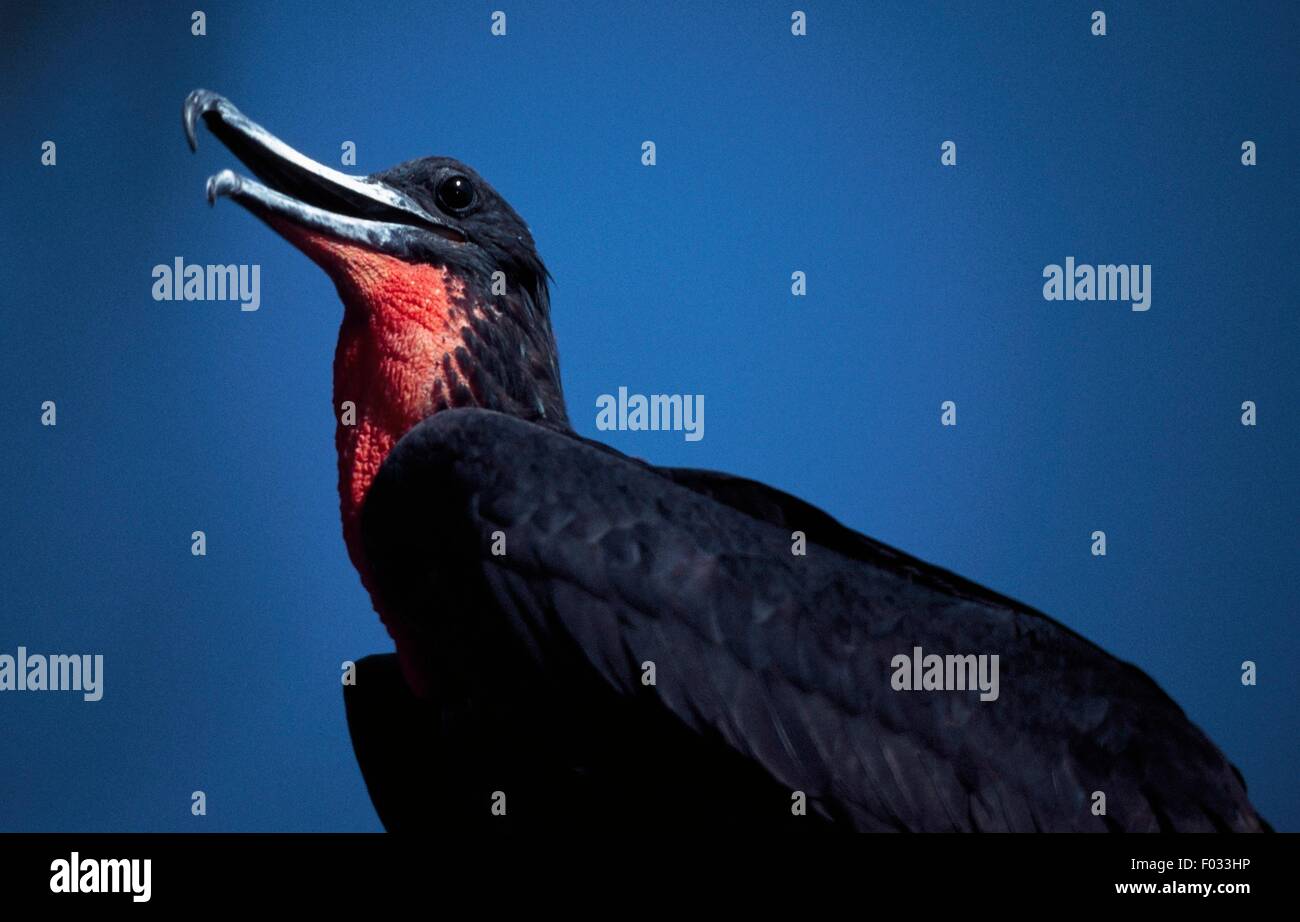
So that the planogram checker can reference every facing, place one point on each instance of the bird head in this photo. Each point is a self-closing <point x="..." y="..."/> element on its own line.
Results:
<point x="445" y="298"/>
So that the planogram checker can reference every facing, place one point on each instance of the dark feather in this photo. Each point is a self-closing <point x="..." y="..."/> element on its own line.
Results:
<point x="772" y="670"/>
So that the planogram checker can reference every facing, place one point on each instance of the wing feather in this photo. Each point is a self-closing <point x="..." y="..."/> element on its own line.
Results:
<point x="612" y="564"/>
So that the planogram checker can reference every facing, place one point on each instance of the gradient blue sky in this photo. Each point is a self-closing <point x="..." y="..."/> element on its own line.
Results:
<point x="775" y="154"/>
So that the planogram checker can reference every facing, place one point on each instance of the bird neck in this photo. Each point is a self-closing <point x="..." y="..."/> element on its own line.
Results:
<point x="417" y="339"/>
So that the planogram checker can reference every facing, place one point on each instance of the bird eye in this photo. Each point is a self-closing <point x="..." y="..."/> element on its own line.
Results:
<point x="455" y="194"/>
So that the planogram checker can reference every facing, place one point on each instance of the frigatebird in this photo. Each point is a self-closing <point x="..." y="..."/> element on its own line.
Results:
<point x="585" y="638"/>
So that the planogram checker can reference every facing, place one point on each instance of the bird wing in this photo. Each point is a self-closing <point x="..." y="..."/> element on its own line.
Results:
<point x="525" y="560"/>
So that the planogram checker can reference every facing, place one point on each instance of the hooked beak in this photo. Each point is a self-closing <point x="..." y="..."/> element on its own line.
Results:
<point x="357" y="209"/>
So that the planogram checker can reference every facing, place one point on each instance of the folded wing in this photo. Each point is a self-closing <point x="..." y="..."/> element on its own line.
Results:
<point x="599" y="610"/>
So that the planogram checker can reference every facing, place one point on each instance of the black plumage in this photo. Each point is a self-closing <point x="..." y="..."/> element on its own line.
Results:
<point x="772" y="670"/>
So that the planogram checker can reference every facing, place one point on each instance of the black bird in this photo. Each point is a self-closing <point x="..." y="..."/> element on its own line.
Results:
<point x="648" y="649"/>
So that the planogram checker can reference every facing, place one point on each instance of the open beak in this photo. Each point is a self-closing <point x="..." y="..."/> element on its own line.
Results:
<point x="357" y="209"/>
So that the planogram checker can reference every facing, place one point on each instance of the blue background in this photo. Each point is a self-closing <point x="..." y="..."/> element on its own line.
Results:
<point x="775" y="153"/>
